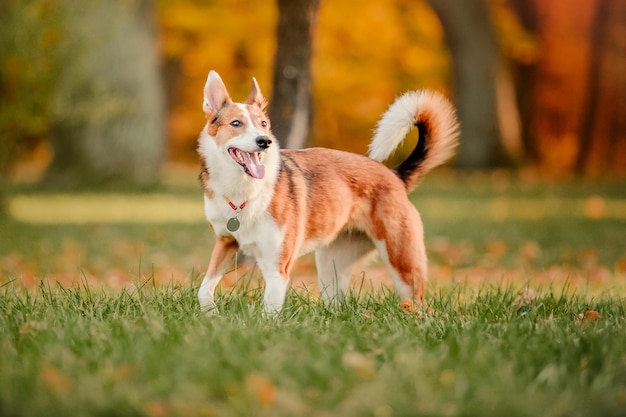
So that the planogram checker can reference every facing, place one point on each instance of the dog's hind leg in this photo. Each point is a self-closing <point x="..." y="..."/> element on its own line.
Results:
<point x="221" y="258"/>
<point x="334" y="264"/>
<point x="403" y="251"/>
<point x="408" y="271"/>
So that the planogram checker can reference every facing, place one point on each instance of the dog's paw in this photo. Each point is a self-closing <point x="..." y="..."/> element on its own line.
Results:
<point x="210" y="310"/>
<point x="417" y="307"/>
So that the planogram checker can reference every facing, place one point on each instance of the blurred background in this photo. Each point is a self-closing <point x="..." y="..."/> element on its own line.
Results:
<point x="105" y="91"/>
<point x="106" y="94"/>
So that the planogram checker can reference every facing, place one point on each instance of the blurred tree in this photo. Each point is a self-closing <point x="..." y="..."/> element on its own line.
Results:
<point x="291" y="107"/>
<point x="573" y="96"/>
<point x="109" y="111"/>
<point x="199" y="36"/>
<point x="30" y="63"/>
<point x="602" y="142"/>
<point x="477" y="71"/>
<point x="361" y="63"/>
<point x="523" y="52"/>
<point x="388" y="46"/>
<point x="598" y="37"/>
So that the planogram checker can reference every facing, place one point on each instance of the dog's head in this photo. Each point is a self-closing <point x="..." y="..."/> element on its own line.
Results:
<point x="239" y="130"/>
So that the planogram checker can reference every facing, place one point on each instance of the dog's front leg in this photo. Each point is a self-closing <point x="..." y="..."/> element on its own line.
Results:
<point x="275" y="291"/>
<point x="221" y="258"/>
<point x="275" y="252"/>
<point x="276" y="277"/>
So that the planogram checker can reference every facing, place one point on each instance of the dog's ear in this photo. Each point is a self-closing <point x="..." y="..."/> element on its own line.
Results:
<point x="255" y="96"/>
<point x="215" y="94"/>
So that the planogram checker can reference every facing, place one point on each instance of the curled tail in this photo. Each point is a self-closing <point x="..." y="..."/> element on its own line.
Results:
<point x="435" y="118"/>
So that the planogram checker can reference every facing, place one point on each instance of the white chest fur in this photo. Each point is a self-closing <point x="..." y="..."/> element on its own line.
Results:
<point x="258" y="233"/>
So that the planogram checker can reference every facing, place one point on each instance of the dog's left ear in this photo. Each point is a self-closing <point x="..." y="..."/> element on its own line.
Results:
<point x="255" y="96"/>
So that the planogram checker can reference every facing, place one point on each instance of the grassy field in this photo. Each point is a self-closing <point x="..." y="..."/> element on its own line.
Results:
<point x="149" y="352"/>
<point x="99" y="314"/>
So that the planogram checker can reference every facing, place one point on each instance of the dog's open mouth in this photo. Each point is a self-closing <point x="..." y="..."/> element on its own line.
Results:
<point x="250" y="161"/>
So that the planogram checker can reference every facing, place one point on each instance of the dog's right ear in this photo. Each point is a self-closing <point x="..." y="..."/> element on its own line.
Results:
<point x="215" y="94"/>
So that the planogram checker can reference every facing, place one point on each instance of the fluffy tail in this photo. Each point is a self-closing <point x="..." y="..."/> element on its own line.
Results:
<point x="435" y="118"/>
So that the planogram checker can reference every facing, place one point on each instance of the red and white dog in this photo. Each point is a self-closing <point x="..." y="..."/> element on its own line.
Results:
<point x="276" y="205"/>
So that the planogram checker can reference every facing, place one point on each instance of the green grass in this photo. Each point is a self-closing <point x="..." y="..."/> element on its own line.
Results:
<point x="148" y="351"/>
<point x="65" y="236"/>
<point x="123" y="334"/>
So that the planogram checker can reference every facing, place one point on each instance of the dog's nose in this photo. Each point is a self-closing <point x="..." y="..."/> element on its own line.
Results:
<point x="263" y="142"/>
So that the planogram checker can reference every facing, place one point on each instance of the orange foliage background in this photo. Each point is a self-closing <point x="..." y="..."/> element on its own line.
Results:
<point x="359" y="64"/>
<point x="235" y="38"/>
<point x="364" y="56"/>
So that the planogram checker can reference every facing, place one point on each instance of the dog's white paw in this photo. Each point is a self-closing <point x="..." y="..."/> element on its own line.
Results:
<point x="271" y="312"/>
<point x="210" y="310"/>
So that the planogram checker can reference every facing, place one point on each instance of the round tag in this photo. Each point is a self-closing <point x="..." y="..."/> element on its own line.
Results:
<point x="233" y="224"/>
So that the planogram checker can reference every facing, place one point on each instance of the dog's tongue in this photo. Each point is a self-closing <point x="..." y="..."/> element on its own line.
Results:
<point x="255" y="168"/>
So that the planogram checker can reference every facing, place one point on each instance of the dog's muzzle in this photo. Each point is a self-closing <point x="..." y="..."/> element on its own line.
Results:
<point x="263" y="142"/>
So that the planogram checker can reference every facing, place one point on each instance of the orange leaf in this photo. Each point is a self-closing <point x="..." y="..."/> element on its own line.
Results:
<point x="261" y="388"/>
<point x="156" y="409"/>
<point x="54" y="380"/>
<point x="359" y="363"/>
<point x="592" y="315"/>
<point x="595" y="207"/>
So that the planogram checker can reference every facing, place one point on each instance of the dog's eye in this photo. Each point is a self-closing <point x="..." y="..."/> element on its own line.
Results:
<point x="264" y="123"/>
<point x="236" y="123"/>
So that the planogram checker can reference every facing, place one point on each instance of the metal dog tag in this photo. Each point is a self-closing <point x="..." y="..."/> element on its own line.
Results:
<point x="233" y="224"/>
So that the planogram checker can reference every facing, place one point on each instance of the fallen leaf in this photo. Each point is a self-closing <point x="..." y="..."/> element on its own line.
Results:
<point x="125" y="371"/>
<point x="156" y="409"/>
<point x="447" y="377"/>
<point x="595" y="207"/>
<point x="55" y="380"/>
<point x="31" y="327"/>
<point x="359" y="363"/>
<point x="496" y="249"/>
<point x="529" y="251"/>
<point x="261" y="388"/>
<point x="590" y="315"/>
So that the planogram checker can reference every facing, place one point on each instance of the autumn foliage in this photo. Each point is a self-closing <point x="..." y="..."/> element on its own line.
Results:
<point x="573" y="90"/>
<point x="363" y="57"/>
<point x="567" y="66"/>
<point x="357" y="70"/>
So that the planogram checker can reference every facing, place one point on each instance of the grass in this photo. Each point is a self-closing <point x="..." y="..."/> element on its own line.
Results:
<point x="98" y="312"/>
<point x="148" y="351"/>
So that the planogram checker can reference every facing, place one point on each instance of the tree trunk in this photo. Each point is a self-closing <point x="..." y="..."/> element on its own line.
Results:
<point x="602" y="141"/>
<point x="5" y="154"/>
<point x="110" y="110"/>
<point x="291" y="107"/>
<point x="590" y="105"/>
<point x="476" y="65"/>
<point x="525" y="73"/>
<point x="560" y="85"/>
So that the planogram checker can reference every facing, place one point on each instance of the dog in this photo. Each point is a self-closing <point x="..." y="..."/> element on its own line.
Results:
<point x="275" y="205"/>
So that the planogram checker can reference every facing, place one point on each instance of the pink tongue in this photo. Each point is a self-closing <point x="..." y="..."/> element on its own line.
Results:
<point x="255" y="168"/>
